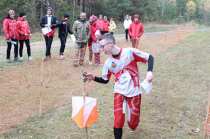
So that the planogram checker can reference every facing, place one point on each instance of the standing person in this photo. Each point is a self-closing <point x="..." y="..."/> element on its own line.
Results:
<point x="112" y="26"/>
<point x="136" y="30"/>
<point x="127" y="22"/>
<point x="81" y="31"/>
<point x="24" y="35"/>
<point x="63" y="30"/>
<point x="100" y="22"/>
<point x="48" y="24"/>
<point x="105" y="25"/>
<point x="11" y="34"/>
<point x="122" y="63"/>
<point x="94" y="48"/>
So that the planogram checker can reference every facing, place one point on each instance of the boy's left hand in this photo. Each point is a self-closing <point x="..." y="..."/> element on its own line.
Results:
<point x="149" y="76"/>
<point x="88" y="77"/>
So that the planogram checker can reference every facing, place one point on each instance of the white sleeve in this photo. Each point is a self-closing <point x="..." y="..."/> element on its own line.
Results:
<point x="106" y="74"/>
<point x="124" y="24"/>
<point x="140" y="56"/>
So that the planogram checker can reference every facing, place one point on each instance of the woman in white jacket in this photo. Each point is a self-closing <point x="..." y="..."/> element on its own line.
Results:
<point x="127" y="22"/>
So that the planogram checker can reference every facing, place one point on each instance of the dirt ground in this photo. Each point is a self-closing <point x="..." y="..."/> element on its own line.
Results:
<point x="36" y="87"/>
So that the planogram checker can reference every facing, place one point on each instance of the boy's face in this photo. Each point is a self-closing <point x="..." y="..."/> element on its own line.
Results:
<point x="49" y="12"/>
<point x="127" y="17"/>
<point x="24" y="17"/>
<point x="66" y="18"/>
<point x="12" y="14"/>
<point x="136" y="19"/>
<point x="83" y="16"/>
<point x="100" y="17"/>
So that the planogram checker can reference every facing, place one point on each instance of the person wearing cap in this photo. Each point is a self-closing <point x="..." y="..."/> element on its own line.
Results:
<point x="136" y="30"/>
<point x="63" y="30"/>
<point x="127" y="22"/>
<point x="81" y="30"/>
<point x="122" y="64"/>
<point x="48" y="24"/>
<point x="11" y="34"/>
<point x="93" y="41"/>
<point x="24" y="35"/>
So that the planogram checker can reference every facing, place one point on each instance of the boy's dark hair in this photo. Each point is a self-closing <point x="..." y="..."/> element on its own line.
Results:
<point x="66" y="15"/>
<point x="22" y="14"/>
<point x="50" y="8"/>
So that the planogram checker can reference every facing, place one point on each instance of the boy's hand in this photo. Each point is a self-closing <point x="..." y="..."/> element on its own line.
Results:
<point x="87" y="77"/>
<point x="149" y="76"/>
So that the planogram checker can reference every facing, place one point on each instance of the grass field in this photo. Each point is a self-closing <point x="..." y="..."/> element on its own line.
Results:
<point x="176" y="106"/>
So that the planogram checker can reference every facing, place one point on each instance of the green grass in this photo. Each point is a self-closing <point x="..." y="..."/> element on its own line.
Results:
<point x="148" y="28"/>
<point x="177" y="104"/>
<point x="157" y="29"/>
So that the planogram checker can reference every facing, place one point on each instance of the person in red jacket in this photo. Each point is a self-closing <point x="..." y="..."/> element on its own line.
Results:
<point x="24" y="35"/>
<point x="136" y="30"/>
<point x="93" y="44"/>
<point x="11" y="34"/>
<point x="103" y="24"/>
<point x="100" y="22"/>
<point x="106" y="25"/>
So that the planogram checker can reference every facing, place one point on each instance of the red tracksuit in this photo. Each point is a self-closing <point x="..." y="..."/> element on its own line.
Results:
<point x="92" y="40"/>
<point x="103" y="25"/>
<point x="10" y="28"/>
<point x="100" y="24"/>
<point x="23" y="29"/>
<point x="136" y="30"/>
<point x="24" y="35"/>
<point x="11" y="34"/>
<point x="106" y="26"/>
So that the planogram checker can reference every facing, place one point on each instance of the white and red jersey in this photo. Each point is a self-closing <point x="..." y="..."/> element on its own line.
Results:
<point x="125" y="70"/>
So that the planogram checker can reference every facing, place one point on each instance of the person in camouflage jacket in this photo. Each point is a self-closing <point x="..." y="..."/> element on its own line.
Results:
<point x="81" y="30"/>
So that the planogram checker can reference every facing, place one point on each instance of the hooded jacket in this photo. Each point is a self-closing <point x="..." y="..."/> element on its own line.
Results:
<point x="23" y="29"/>
<point x="10" y="28"/>
<point x="136" y="30"/>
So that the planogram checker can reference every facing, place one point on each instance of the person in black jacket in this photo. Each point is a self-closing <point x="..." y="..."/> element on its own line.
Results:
<point x="63" y="30"/>
<point x="48" y="24"/>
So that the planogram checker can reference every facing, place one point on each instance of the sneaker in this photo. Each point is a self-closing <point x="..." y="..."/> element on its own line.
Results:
<point x="16" y="59"/>
<point x="90" y="63"/>
<point x="29" y="58"/>
<point x="21" y="58"/>
<point x="8" y="60"/>
<point x="46" y="58"/>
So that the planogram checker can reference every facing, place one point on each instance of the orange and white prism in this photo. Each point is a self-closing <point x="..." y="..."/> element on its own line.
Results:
<point x="84" y="111"/>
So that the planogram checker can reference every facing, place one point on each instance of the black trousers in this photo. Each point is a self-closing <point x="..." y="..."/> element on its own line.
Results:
<point x="9" y="46"/>
<point x="63" y="44"/>
<point x="126" y="34"/>
<point x="48" y="41"/>
<point x="27" y="42"/>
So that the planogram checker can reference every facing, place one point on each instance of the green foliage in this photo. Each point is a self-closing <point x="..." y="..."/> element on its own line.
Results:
<point x="191" y="8"/>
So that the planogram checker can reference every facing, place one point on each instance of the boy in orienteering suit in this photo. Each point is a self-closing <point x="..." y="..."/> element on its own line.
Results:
<point x="122" y="63"/>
